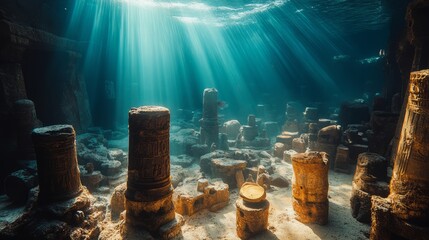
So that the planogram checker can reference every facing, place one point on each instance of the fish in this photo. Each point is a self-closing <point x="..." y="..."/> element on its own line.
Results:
<point x="222" y="105"/>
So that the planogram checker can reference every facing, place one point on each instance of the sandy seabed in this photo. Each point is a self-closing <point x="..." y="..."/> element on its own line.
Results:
<point x="282" y="222"/>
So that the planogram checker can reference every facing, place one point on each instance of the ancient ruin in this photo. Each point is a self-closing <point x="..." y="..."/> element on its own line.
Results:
<point x="148" y="198"/>
<point x="404" y="213"/>
<point x="279" y="120"/>
<point x="252" y="210"/>
<point x="310" y="187"/>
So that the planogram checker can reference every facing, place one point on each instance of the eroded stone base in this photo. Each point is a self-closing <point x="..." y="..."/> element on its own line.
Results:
<point x="311" y="212"/>
<point x="251" y="218"/>
<point x="386" y="226"/>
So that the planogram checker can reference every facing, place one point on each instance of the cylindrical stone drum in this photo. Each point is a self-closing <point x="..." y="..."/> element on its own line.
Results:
<point x="26" y="120"/>
<point x="410" y="181"/>
<point x="57" y="167"/>
<point x="371" y="164"/>
<point x="310" y="187"/>
<point x="252" y="218"/>
<point x="149" y="192"/>
<point x="149" y="154"/>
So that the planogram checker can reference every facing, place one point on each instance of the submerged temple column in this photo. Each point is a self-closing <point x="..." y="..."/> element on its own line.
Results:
<point x="310" y="187"/>
<point x="149" y="192"/>
<point x="57" y="167"/>
<point x="405" y="212"/>
<point x="209" y="122"/>
<point x="410" y="180"/>
<point x="26" y="120"/>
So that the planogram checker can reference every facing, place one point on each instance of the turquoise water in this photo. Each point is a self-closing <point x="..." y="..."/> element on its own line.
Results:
<point x="143" y="52"/>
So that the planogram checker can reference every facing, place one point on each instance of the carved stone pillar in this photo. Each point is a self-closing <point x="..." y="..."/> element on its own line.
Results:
<point x="148" y="196"/>
<point x="57" y="168"/>
<point x="209" y="122"/>
<point x="410" y="181"/>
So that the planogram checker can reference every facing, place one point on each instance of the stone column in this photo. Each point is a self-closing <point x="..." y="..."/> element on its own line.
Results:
<point x="410" y="181"/>
<point x="369" y="180"/>
<point x="57" y="166"/>
<point x="252" y="210"/>
<point x="310" y="187"/>
<point x="26" y="120"/>
<point x="148" y="198"/>
<point x="209" y="122"/>
<point x="250" y="131"/>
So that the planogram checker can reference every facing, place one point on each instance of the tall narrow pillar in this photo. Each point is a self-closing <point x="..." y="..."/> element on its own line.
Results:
<point x="149" y="192"/>
<point x="26" y="120"/>
<point x="410" y="181"/>
<point x="209" y="122"/>
<point x="57" y="167"/>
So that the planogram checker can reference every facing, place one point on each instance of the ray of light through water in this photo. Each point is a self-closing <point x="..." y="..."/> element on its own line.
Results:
<point x="143" y="52"/>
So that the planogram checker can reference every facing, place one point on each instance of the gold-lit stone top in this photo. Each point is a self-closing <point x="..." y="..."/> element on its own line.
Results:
<point x="252" y="192"/>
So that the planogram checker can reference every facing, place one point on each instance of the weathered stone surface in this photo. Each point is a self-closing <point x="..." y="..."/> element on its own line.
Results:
<point x="298" y="145"/>
<point x="90" y="179"/>
<point x="279" y="148"/>
<point x="209" y="122"/>
<point x="360" y="201"/>
<point x="57" y="165"/>
<point x="117" y="201"/>
<point x="410" y="181"/>
<point x="182" y="141"/>
<point x="329" y="135"/>
<point x="199" y="150"/>
<point x="110" y="168"/>
<point x="287" y="155"/>
<point x="182" y="160"/>
<point x="239" y="178"/>
<point x="117" y="154"/>
<point x="226" y="168"/>
<point x="189" y="200"/>
<point x="205" y="160"/>
<point x="279" y="181"/>
<point x="172" y="229"/>
<point x="148" y="199"/>
<point x="18" y="184"/>
<point x="75" y="217"/>
<point x="232" y="129"/>
<point x="310" y="187"/>
<point x="251" y="218"/>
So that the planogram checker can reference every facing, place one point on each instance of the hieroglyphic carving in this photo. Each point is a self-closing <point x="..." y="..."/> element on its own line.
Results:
<point x="59" y="177"/>
<point x="410" y="181"/>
